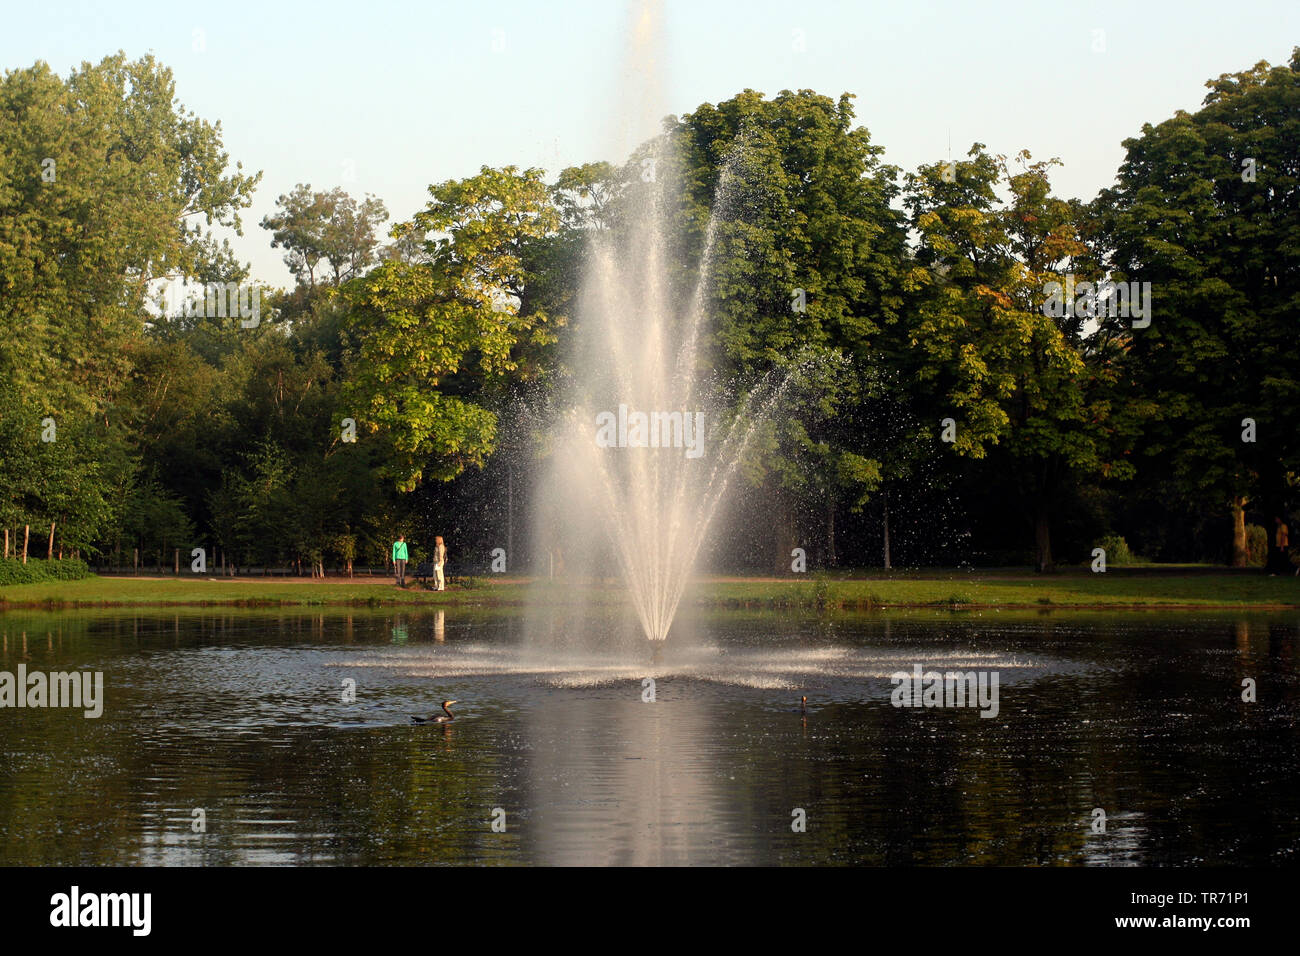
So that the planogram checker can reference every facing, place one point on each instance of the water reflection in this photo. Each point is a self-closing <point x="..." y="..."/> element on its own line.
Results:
<point x="242" y="715"/>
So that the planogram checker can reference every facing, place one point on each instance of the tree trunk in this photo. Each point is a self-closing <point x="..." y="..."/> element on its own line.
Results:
<point x="49" y="552"/>
<point x="1043" y="539"/>
<point x="784" y="536"/>
<point x="1279" y="560"/>
<point x="26" y="531"/>
<point x="1240" y="552"/>
<point x="888" y="564"/>
<point x="831" y="560"/>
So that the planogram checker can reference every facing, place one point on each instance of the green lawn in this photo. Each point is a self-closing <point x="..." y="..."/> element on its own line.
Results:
<point x="107" y="591"/>
<point x="1118" y="588"/>
<point x="975" y="589"/>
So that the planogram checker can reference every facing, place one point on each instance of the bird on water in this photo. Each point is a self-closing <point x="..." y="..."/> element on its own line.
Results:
<point x="445" y="717"/>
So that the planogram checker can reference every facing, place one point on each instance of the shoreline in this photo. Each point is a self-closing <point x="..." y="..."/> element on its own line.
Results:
<point x="1186" y="591"/>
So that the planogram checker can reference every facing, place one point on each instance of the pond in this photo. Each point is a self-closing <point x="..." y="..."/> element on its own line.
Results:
<point x="284" y="737"/>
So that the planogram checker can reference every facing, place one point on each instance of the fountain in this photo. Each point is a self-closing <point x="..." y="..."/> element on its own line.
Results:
<point x="647" y="444"/>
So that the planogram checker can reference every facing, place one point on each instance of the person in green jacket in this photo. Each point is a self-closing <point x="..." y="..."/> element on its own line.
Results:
<point x="399" y="560"/>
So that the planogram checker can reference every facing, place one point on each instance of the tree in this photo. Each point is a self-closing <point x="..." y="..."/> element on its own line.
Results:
<point x="786" y="204"/>
<point x="986" y="349"/>
<point x="433" y="338"/>
<point x="106" y="186"/>
<point x="102" y="180"/>
<point x="155" y="521"/>
<point x="1207" y="209"/>
<point x="326" y="228"/>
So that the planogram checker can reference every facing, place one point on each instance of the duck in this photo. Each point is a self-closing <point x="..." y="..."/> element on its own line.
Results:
<point x="445" y="717"/>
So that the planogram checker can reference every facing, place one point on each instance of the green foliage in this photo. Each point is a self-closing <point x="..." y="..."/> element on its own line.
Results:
<point x="103" y="178"/>
<point x="1207" y="209"/>
<point x="436" y="335"/>
<point x="57" y="469"/>
<point x="804" y="254"/>
<point x="37" y="570"/>
<point x="132" y="171"/>
<point x="982" y="344"/>
<point x="13" y="571"/>
<point x="1117" y="550"/>
<point x="1256" y="546"/>
<point x="196" y="431"/>
<point x="156" y="522"/>
<point x="326" y="228"/>
<point x="64" y="569"/>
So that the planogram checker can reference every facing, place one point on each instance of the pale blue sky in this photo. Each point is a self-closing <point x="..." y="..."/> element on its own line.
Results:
<point x="398" y="96"/>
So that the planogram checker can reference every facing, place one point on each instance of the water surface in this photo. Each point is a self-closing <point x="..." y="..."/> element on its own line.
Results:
<point x="242" y="714"/>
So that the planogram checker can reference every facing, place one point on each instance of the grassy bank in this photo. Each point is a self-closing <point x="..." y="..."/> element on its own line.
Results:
<point x="1026" y="590"/>
<point x="1150" y="588"/>
<point x="249" y="592"/>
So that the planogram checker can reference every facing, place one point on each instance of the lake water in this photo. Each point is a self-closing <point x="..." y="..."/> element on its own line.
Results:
<point x="241" y="715"/>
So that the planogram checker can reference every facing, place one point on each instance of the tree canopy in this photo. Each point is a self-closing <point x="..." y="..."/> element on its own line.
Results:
<point x="965" y="388"/>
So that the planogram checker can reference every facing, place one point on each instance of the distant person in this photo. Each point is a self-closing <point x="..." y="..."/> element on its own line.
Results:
<point x="439" y="559"/>
<point x="399" y="560"/>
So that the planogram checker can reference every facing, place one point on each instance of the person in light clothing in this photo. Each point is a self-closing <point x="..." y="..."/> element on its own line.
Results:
<point x="439" y="559"/>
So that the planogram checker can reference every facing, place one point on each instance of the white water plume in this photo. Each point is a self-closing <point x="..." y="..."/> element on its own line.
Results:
<point x="646" y="441"/>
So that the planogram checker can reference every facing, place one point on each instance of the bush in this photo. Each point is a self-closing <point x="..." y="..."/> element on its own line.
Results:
<point x="1117" y="551"/>
<point x="66" y="569"/>
<point x="15" y="572"/>
<point x="37" y="570"/>
<point x="1256" y="546"/>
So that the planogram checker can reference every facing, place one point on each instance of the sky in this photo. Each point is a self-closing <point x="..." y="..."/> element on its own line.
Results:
<point x="387" y="98"/>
